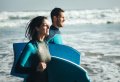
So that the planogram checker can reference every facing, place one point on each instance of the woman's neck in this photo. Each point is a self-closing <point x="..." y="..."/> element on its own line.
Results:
<point x="41" y="37"/>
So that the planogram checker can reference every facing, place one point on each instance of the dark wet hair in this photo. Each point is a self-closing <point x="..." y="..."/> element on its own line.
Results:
<point x="56" y="12"/>
<point x="31" y="32"/>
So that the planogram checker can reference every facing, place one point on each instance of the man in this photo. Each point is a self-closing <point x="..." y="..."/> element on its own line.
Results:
<point x="57" y="17"/>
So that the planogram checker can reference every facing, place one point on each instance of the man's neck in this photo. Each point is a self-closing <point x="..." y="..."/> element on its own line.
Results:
<point x="55" y="25"/>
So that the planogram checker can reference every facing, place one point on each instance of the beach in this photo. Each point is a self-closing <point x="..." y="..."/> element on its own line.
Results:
<point x="94" y="33"/>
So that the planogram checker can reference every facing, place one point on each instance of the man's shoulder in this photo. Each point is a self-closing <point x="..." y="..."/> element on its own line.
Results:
<point x="54" y="30"/>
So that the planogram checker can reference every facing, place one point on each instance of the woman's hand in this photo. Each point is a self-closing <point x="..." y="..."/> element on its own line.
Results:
<point x="41" y="66"/>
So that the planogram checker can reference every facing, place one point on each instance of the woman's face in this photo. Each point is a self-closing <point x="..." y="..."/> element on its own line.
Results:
<point x="44" y="28"/>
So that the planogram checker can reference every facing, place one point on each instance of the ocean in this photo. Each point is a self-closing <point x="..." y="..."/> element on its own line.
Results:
<point x="94" y="33"/>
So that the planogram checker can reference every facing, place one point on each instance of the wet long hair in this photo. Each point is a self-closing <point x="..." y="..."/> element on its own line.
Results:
<point x="31" y="32"/>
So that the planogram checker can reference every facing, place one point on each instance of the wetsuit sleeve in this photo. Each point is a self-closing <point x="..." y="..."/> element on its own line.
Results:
<point x="25" y="55"/>
<point x="57" y="39"/>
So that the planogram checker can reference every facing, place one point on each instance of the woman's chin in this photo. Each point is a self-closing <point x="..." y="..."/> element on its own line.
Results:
<point x="47" y="34"/>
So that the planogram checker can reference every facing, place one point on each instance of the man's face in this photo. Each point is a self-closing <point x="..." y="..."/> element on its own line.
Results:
<point x="60" y="19"/>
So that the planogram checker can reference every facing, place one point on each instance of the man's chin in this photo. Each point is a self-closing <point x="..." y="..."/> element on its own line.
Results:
<point x="61" y="26"/>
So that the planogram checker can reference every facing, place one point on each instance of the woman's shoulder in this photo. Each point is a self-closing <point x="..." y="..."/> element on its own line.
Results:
<point x="31" y="46"/>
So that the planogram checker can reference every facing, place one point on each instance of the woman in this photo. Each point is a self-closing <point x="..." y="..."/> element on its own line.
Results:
<point x="35" y="56"/>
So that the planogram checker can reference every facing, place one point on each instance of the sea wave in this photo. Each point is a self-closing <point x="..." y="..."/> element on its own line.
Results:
<point x="95" y="16"/>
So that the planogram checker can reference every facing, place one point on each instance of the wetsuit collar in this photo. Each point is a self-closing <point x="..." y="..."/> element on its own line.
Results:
<point x="54" y="28"/>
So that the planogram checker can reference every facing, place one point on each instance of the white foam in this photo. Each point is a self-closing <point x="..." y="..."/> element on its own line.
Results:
<point x="93" y="16"/>
<point x="15" y="23"/>
<point x="72" y="16"/>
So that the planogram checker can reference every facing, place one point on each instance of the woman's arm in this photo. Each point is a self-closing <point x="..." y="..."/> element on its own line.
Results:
<point x="26" y="53"/>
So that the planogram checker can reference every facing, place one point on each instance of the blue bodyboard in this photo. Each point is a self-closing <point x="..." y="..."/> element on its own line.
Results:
<point x="66" y="52"/>
<point x="57" y="50"/>
<point x="62" y="70"/>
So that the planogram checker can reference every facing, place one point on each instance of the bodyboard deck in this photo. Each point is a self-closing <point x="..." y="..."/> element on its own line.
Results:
<point x="56" y="50"/>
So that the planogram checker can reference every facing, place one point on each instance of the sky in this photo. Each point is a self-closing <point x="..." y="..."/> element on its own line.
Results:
<point x="23" y="5"/>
